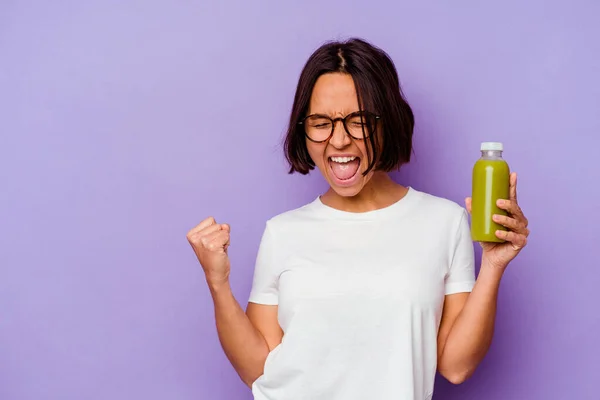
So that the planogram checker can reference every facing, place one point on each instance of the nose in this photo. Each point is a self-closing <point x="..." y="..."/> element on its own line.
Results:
<point x="340" y="137"/>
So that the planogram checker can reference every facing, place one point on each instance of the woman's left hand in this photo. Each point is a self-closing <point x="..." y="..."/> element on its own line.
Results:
<point x="500" y="254"/>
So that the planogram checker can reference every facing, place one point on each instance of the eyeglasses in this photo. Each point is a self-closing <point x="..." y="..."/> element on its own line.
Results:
<point x="359" y="125"/>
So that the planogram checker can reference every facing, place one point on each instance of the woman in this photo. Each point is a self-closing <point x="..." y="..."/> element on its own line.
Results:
<point x="367" y="290"/>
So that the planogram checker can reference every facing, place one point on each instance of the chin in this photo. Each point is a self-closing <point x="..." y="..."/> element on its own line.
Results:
<point x="348" y="189"/>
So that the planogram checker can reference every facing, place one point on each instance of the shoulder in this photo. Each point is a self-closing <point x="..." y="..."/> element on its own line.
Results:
<point x="440" y="208"/>
<point x="294" y="217"/>
<point x="442" y="218"/>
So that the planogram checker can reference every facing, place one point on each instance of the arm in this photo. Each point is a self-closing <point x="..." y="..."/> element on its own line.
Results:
<point x="467" y="326"/>
<point x="248" y="338"/>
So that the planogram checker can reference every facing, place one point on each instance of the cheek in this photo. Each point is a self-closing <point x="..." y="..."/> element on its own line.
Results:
<point x="363" y="147"/>
<point x="316" y="151"/>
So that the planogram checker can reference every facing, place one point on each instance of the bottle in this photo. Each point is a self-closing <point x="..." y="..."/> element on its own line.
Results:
<point x="491" y="181"/>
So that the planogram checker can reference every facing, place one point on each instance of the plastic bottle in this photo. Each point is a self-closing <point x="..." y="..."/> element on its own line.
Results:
<point x="491" y="181"/>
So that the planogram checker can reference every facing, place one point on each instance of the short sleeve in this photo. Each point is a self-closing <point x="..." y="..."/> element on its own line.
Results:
<point x="265" y="281"/>
<point x="461" y="275"/>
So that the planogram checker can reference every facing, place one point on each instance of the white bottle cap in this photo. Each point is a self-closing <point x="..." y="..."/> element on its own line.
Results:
<point x="492" y="146"/>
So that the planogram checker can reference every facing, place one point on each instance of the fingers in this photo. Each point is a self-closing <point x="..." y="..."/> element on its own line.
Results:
<point x="468" y="201"/>
<point x="206" y="228"/>
<point x="206" y="239"/>
<point x="217" y="241"/>
<point x="210" y="221"/>
<point x="517" y="240"/>
<point x="206" y="223"/>
<point x="227" y="241"/>
<point x="513" y="187"/>
<point x="512" y="206"/>
<point x="209" y="230"/>
<point x="513" y="209"/>
<point x="511" y="223"/>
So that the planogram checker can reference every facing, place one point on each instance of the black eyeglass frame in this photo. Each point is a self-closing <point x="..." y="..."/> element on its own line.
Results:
<point x="343" y="119"/>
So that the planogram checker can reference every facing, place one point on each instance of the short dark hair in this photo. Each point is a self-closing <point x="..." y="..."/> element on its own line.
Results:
<point x="378" y="90"/>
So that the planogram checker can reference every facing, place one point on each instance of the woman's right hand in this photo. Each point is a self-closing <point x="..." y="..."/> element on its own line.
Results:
<point x="210" y="242"/>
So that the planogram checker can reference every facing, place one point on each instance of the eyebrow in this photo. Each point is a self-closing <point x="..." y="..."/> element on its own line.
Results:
<point x="330" y="116"/>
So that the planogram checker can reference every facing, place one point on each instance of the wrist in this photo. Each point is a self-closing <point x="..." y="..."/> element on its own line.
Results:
<point x="490" y="270"/>
<point x="218" y="286"/>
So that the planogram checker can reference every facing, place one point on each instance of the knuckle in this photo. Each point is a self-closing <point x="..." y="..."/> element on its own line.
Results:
<point x="191" y="233"/>
<point x="192" y="237"/>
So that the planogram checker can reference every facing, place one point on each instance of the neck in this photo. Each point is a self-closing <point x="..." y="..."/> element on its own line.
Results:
<point x="381" y="191"/>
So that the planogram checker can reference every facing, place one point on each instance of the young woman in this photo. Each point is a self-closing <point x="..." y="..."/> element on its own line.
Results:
<point x="367" y="290"/>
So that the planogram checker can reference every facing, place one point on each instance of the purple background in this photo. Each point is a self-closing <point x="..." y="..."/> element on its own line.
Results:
<point x="124" y="125"/>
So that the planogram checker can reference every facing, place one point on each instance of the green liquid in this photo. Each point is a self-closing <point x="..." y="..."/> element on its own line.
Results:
<point x="490" y="183"/>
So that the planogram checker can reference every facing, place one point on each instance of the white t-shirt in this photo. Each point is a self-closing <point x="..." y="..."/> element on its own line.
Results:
<point x="360" y="297"/>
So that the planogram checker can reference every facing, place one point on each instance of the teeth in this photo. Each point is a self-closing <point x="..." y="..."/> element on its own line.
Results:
<point x="342" y="159"/>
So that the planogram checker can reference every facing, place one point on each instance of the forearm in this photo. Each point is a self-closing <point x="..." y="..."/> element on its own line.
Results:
<point x="243" y="344"/>
<point x="471" y="334"/>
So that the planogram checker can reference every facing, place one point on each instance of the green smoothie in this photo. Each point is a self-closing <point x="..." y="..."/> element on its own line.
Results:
<point x="490" y="182"/>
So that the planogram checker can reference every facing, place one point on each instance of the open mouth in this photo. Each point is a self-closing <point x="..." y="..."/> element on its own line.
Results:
<point x="344" y="169"/>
